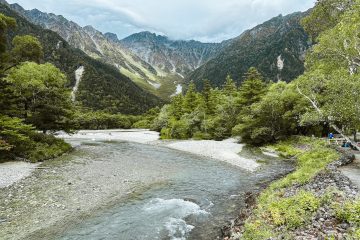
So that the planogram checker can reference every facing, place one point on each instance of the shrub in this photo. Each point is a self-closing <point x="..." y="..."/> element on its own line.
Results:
<point x="180" y="130"/>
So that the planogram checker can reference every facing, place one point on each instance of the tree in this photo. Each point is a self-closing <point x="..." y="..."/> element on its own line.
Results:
<point x="271" y="119"/>
<point x="14" y="136"/>
<point x="333" y="97"/>
<point x="252" y="88"/>
<point x="190" y="99"/>
<point x="325" y="15"/>
<point x="26" y="48"/>
<point x="229" y="86"/>
<point x="177" y="106"/>
<point x="331" y="82"/>
<point x="6" y="23"/>
<point x="208" y="98"/>
<point x="44" y="99"/>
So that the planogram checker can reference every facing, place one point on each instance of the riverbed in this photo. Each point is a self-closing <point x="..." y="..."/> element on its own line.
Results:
<point x="131" y="186"/>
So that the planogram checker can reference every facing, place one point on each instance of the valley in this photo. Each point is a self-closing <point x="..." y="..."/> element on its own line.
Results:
<point x="134" y="120"/>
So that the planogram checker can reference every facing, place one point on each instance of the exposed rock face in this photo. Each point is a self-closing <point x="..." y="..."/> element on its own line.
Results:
<point x="171" y="56"/>
<point x="102" y="86"/>
<point x="94" y="43"/>
<point x="260" y="47"/>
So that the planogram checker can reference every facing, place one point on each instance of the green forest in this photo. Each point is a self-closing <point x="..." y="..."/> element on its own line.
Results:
<point x="35" y="102"/>
<point x="325" y="98"/>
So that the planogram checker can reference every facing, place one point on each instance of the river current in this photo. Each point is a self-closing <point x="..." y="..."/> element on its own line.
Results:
<point x="196" y="196"/>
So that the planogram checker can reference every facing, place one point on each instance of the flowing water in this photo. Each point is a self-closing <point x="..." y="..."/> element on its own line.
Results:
<point x="195" y="198"/>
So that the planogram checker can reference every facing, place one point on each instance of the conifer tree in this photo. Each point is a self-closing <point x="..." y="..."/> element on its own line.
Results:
<point x="252" y="89"/>
<point x="190" y="99"/>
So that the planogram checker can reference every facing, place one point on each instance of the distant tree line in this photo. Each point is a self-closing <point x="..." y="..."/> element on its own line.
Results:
<point x="325" y="98"/>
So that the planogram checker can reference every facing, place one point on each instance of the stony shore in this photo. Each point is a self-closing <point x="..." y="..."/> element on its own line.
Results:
<point x="324" y="222"/>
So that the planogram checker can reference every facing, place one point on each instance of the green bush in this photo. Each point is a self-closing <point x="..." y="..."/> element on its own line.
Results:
<point x="180" y="130"/>
<point x="165" y="133"/>
<point x="294" y="211"/>
<point x="257" y="231"/>
<point x="349" y="212"/>
<point x="142" y="124"/>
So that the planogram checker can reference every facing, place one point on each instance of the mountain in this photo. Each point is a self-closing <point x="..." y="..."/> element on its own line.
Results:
<point x="100" y="86"/>
<point x="104" y="47"/>
<point x="276" y="48"/>
<point x="169" y="56"/>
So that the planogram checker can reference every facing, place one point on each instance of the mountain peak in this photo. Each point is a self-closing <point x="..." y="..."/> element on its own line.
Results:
<point x="111" y="37"/>
<point x="91" y="29"/>
<point x="146" y="36"/>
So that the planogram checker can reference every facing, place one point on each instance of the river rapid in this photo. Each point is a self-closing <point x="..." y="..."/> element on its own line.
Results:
<point x="127" y="190"/>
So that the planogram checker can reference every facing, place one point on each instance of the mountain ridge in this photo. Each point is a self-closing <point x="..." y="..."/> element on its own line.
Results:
<point x="276" y="48"/>
<point x="102" y="86"/>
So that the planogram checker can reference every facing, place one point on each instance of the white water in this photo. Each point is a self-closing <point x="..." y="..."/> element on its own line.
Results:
<point x="174" y="223"/>
<point x="187" y="196"/>
<point x="78" y="75"/>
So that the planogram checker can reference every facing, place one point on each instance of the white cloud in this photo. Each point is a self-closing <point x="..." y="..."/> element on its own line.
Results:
<point x="207" y="20"/>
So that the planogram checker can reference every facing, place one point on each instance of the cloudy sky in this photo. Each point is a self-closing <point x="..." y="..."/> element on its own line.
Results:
<point x="204" y="20"/>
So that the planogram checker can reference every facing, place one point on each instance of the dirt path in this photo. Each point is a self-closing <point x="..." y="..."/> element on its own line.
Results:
<point x="352" y="171"/>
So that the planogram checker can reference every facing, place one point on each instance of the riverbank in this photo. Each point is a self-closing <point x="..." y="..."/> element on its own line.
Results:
<point x="316" y="201"/>
<point x="12" y="172"/>
<point x="226" y="151"/>
<point x="103" y="173"/>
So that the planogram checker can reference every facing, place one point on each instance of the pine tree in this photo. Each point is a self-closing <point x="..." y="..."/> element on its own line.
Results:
<point x="208" y="98"/>
<point x="177" y="106"/>
<point x="229" y="86"/>
<point x="190" y="99"/>
<point x="252" y="89"/>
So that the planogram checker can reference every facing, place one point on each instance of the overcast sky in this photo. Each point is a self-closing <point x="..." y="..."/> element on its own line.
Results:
<point x="204" y="20"/>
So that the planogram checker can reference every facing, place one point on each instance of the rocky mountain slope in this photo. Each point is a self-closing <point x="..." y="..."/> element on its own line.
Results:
<point x="276" y="47"/>
<point x="159" y="64"/>
<point x="169" y="56"/>
<point x="102" y="86"/>
<point x="98" y="46"/>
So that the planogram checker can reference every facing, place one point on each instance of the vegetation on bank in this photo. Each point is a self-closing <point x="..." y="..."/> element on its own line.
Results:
<point x="322" y="100"/>
<point x="33" y="100"/>
<point x="275" y="214"/>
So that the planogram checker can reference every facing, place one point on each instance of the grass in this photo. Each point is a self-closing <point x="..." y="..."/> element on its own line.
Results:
<point x="276" y="214"/>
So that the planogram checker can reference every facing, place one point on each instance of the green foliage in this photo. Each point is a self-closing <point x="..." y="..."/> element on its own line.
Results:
<point x="100" y="120"/>
<point x="32" y="97"/>
<point x="103" y="87"/>
<point x="325" y="15"/>
<point x="6" y="23"/>
<point x="44" y="100"/>
<point x="26" y="48"/>
<point x="190" y="99"/>
<point x="331" y="83"/>
<point x="276" y="214"/>
<point x="253" y="88"/>
<point x="180" y="130"/>
<point x="21" y="140"/>
<point x="349" y="212"/>
<point x="281" y="36"/>
<point x="293" y="212"/>
<point x="14" y="136"/>
<point x="257" y="230"/>
<point x="46" y="147"/>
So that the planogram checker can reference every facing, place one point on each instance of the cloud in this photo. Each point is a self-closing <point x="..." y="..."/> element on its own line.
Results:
<point x="206" y="20"/>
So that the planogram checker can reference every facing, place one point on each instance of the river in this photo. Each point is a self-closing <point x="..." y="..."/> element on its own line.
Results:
<point x="127" y="190"/>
